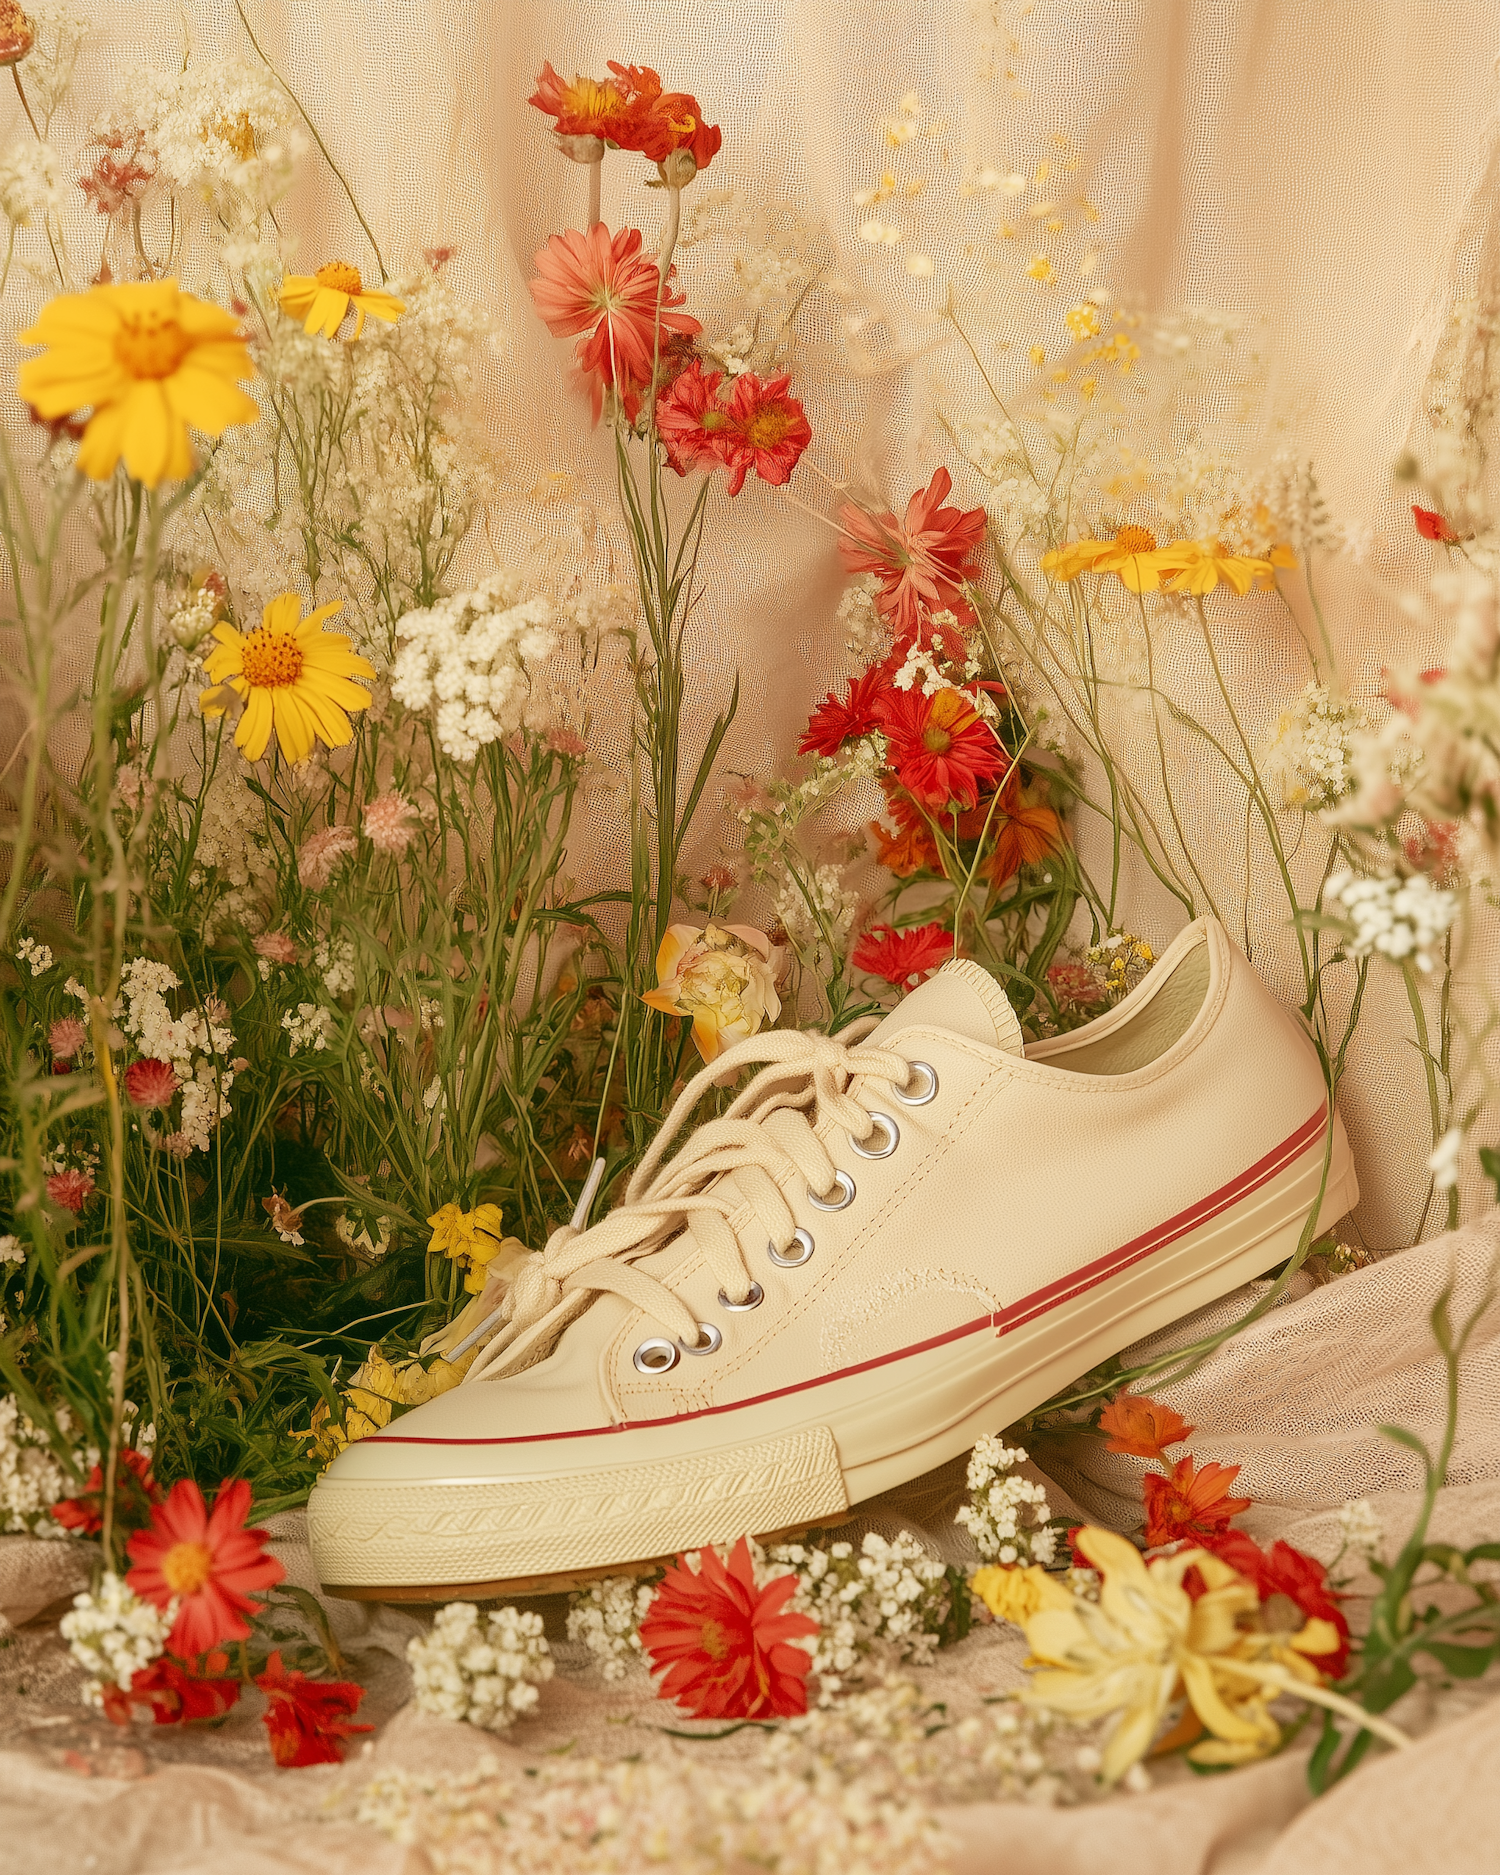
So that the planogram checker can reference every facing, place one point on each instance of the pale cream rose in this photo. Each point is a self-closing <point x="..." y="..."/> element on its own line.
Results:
<point x="722" y="978"/>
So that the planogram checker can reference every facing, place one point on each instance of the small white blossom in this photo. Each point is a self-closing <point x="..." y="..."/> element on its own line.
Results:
<point x="334" y="959"/>
<point x="28" y="951"/>
<point x="606" y="1617"/>
<point x="476" y="659"/>
<point x="29" y="189"/>
<point x="1311" y="750"/>
<point x="866" y="634"/>
<point x="1399" y="918"/>
<point x="309" y="1026"/>
<point x="1007" y="1516"/>
<point x="12" y="1250"/>
<point x="481" y="1668"/>
<point x="31" y="1479"/>
<point x="113" y="1634"/>
<point x="1361" y="1527"/>
<point x="1443" y="1162"/>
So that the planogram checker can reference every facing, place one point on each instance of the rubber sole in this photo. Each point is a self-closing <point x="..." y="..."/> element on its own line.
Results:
<point x="622" y="1499"/>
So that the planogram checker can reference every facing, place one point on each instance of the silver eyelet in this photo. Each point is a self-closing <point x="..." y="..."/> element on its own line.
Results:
<point x="883" y="1124"/>
<point x="801" y="1242"/>
<point x="928" y="1090"/>
<point x="845" y="1186"/>
<point x="756" y="1296"/>
<point x="711" y="1342"/>
<point x="657" y="1356"/>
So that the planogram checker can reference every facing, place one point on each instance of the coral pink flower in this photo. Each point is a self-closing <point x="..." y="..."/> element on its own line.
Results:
<point x="769" y="430"/>
<point x="599" y="284"/>
<point x="307" y="1718"/>
<point x="940" y="747"/>
<point x="1432" y="526"/>
<point x="691" y="422"/>
<point x="903" y="957"/>
<point x="322" y="854"/>
<point x="390" y="821"/>
<point x="204" y="1562"/>
<point x="726" y="1649"/>
<point x="276" y="946"/>
<point x="832" y="723"/>
<point x="66" y="1036"/>
<point x="150" y="1084"/>
<point x="72" y="1190"/>
<point x="921" y="562"/>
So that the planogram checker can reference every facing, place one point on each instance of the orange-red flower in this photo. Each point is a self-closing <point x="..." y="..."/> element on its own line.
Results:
<point x="599" y="284"/>
<point x="307" y="1719"/>
<point x="205" y="1563"/>
<point x="175" y="1695"/>
<point x="768" y="430"/>
<point x="832" y="723"/>
<point x="726" y="1649"/>
<point x="135" y="1492"/>
<point x="1302" y="1579"/>
<point x="586" y="107"/>
<point x="903" y="957"/>
<point x="921" y="561"/>
<point x="691" y="422"/>
<point x="660" y="122"/>
<point x="908" y="850"/>
<point x="1432" y="526"/>
<point x="940" y="747"/>
<point x="1192" y="1503"/>
<point x="1025" y="832"/>
<point x="1134" y="1422"/>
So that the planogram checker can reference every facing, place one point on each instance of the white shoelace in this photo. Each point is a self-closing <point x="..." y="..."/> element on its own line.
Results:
<point x="766" y="1131"/>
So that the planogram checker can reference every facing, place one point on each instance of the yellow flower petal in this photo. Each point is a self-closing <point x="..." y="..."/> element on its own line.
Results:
<point x="253" y="731"/>
<point x="294" y="732"/>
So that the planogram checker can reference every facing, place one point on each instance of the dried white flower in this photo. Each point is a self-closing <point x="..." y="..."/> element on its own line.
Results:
<point x="309" y="1026"/>
<point x="476" y="657"/>
<point x="29" y="189"/>
<point x="1443" y="1161"/>
<point x="1361" y="1527"/>
<point x="31" y="1479"/>
<point x="12" y="1250"/>
<point x="38" y="956"/>
<point x="1311" y="750"/>
<point x="606" y="1617"/>
<point x="481" y="1668"/>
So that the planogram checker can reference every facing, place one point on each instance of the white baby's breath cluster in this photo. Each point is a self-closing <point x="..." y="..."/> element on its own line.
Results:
<point x="606" y="1616"/>
<point x="483" y="1668"/>
<point x="29" y="187"/>
<point x="1310" y="755"/>
<point x="334" y="961"/>
<point x="476" y="659"/>
<point x="231" y="850"/>
<point x="12" y="1250"/>
<point x="197" y="1044"/>
<point x="1016" y="501"/>
<point x="193" y="620"/>
<point x="37" y="957"/>
<point x="216" y="128"/>
<point x="1361" y="1527"/>
<point x="31" y="1479"/>
<point x="1007" y="1515"/>
<point x="817" y="891"/>
<point x="61" y="28"/>
<point x="886" y="1601"/>
<point x="309" y="1026"/>
<point x="867" y="635"/>
<point x="1398" y="918"/>
<point x="113" y="1634"/>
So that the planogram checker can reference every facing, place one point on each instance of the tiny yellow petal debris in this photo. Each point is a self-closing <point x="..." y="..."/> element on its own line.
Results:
<point x="1086" y="207"/>
<point x="1014" y="183"/>
<point x="1086" y="388"/>
<point x="1042" y="171"/>
<point x="1039" y="210"/>
<point x="1039" y="355"/>
<point x="1006" y="231"/>
<point x="900" y="130"/>
<point x="1089" y="262"/>
<point x="879" y="233"/>
<point x="1040" y="268"/>
<point x="1082" y="320"/>
<point x="911" y="104"/>
<point x="919" y="266"/>
<point x="1059" y="375"/>
<point x="1054" y="225"/>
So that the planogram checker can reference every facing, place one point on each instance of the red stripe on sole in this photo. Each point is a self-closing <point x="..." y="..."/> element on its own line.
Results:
<point x="1001" y="1323"/>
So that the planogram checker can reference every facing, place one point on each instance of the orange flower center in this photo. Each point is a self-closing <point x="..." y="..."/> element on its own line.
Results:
<point x="714" y="1641"/>
<point x="1135" y="539"/>
<point x="768" y="427"/>
<point x="150" y="346"/>
<point x="339" y="275"/>
<point x="588" y="99"/>
<point x="237" y="132"/>
<point x="936" y="740"/>
<point x="186" y="1567"/>
<point x="271" y="659"/>
<point x="715" y="420"/>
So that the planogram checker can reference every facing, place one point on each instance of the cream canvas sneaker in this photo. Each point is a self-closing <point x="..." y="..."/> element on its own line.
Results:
<point x="882" y="1250"/>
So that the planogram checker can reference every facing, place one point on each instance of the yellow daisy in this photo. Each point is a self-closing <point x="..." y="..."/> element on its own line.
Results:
<point x="150" y="360"/>
<point x="1131" y="553"/>
<point x="293" y="676"/>
<point x="1199" y="566"/>
<point x="471" y="1238"/>
<point x="325" y="296"/>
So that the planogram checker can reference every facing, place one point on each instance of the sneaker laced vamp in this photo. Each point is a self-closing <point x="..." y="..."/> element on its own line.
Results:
<point x="764" y="1142"/>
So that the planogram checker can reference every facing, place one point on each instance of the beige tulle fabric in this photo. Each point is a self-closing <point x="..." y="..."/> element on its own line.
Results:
<point x="1327" y="170"/>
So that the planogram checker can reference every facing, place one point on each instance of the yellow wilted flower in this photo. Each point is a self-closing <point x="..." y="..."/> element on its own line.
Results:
<point x="1016" y="1594"/>
<point x="324" y="297"/>
<point x="1131" y="553"/>
<point x="722" y="977"/>
<point x="1039" y="267"/>
<point x="1199" y="566"/>
<point x="471" y="1239"/>
<point x="376" y="1388"/>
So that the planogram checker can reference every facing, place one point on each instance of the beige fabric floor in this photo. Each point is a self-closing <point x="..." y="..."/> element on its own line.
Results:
<point x="1294" y="1399"/>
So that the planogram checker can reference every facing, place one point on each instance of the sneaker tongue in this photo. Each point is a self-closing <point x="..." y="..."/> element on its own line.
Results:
<point x="963" y="998"/>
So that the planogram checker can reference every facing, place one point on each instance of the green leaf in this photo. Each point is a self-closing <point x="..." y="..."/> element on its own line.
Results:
<point x="1464" y="1663"/>
<point x="1489" y="1160"/>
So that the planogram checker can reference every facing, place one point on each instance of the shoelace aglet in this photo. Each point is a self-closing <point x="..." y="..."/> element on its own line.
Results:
<point x="580" y="1215"/>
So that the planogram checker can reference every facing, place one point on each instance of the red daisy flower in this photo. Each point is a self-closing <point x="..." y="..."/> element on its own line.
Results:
<point x="770" y="430"/>
<point x="1135" y="1423"/>
<point x="921" y="563"/>
<point x="599" y="284"/>
<point x="1302" y="1579"/>
<point x="1190" y="1502"/>
<point x="150" y="1084"/>
<point x="691" y="422"/>
<point x="659" y="122"/>
<point x="588" y="107"/>
<point x="1432" y="526"/>
<point x="176" y="1696"/>
<point x="306" y="1718"/>
<point x="135" y="1492"/>
<point x="726" y="1648"/>
<point x="209" y="1562"/>
<point x="903" y="957"/>
<point x="832" y="723"/>
<point x="941" y="748"/>
<point x="72" y="1190"/>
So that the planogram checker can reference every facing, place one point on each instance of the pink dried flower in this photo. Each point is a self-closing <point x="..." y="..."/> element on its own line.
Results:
<point x="322" y="854"/>
<point x="70" y="1189"/>
<point x="390" y="822"/>
<point x="150" y="1083"/>
<point x="286" y="1221"/>
<point x="746" y="795"/>
<point x="566" y="741"/>
<point x="178" y="1145"/>
<point x="66" y="1037"/>
<point x="276" y="945"/>
<point x="719" y="878"/>
<point x="217" y="1011"/>
<point x="123" y="169"/>
<point x="438" y="257"/>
